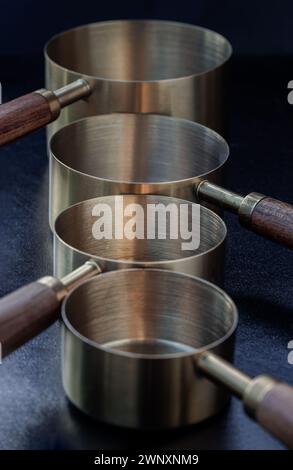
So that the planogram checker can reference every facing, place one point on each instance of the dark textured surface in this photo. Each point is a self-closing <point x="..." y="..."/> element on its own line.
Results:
<point x="34" y="413"/>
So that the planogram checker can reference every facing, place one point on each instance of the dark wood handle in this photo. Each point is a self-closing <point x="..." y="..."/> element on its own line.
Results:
<point x="25" y="313"/>
<point x="273" y="219"/>
<point x="275" y="413"/>
<point x="22" y="116"/>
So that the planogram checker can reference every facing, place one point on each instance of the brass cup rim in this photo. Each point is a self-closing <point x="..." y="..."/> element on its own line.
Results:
<point x="200" y="131"/>
<point x="212" y="216"/>
<point x="112" y="23"/>
<point x="199" y="282"/>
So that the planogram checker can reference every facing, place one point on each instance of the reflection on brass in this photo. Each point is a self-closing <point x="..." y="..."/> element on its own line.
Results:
<point x="65" y="284"/>
<point x="65" y="96"/>
<point x="75" y="244"/>
<point x="247" y="207"/>
<point x="243" y="206"/>
<point x="130" y="154"/>
<point x="222" y="197"/>
<point x="130" y="339"/>
<point x="143" y="66"/>
<point x="149" y="348"/>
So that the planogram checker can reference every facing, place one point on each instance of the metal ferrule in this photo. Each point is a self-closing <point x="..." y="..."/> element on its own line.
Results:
<point x="185" y="68"/>
<point x="221" y="197"/>
<point x="116" y="358"/>
<point x="65" y="96"/>
<point x="86" y="271"/>
<point x="255" y="393"/>
<point x="52" y="100"/>
<point x="65" y="284"/>
<point x="55" y="285"/>
<point x="247" y="207"/>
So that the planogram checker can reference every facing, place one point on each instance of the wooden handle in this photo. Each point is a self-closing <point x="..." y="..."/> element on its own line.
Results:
<point x="275" y="413"/>
<point x="25" y="313"/>
<point x="273" y="219"/>
<point x="22" y="116"/>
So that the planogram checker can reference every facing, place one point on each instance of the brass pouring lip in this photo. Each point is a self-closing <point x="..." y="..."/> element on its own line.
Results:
<point x="141" y="264"/>
<point x="110" y="22"/>
<point x="159" y="357"/>
<point x="179" y="182"/>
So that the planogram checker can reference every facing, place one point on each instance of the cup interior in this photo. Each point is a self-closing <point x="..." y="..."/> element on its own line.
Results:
<point x="75" y="225"/>
<point x="150" y="313"/>
<point x="139" y="50"/>
<point x="139" y="148"/>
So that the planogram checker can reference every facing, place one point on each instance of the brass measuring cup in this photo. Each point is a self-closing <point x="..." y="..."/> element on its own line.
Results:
<point x="78" y="255"/>
<point x="141" y="66"/>
<point x="144" y="336"/>
<point x="135" y="153"/>
<point x="149" y="348"/>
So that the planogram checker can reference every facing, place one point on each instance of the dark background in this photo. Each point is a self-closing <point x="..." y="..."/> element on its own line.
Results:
<point x="253" y="26"/>
<point x="34" y="413"/>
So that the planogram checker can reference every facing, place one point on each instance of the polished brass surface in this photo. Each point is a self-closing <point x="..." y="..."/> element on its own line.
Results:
<point x="139" y="345"/>
<point x="130" y="343"/>
<point x="72" y="92"/>
<point x="222" y="197"/>
<point x="74" y="242"/>
<point x="150" y="154"/>
<point x="224" y="373"/>
<point x="65" y="284"/>
<point x="142" y="66"/>
<point x="82" y="273"/>
<point x="131" y="153"/>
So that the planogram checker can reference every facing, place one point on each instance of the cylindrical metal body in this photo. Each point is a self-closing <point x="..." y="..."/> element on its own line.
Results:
<point x="143" y="66"/>
<point x="132" y="154"/>
<point x="131" y="340"/>
<point x="74" y="242"/>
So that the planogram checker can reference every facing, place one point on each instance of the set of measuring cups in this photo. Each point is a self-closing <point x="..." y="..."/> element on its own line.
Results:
<point x="147" y="334"/>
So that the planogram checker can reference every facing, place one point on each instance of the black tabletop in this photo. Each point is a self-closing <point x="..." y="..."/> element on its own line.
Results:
<point x="34" y="413"/>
